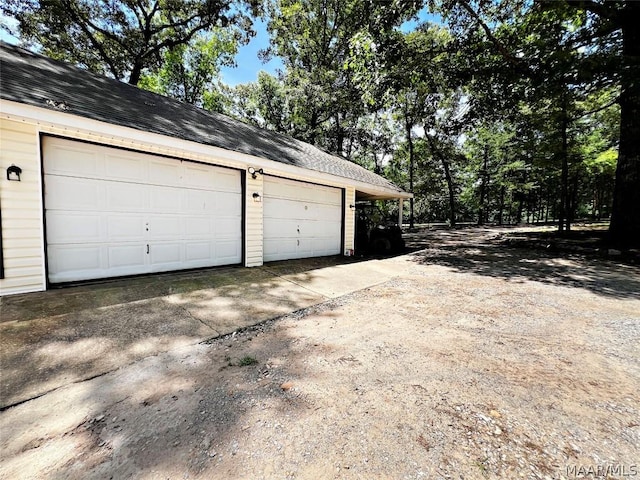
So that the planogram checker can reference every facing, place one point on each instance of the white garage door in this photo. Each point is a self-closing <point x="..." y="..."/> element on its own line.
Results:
<point x="301" y="220"/>
<point x="112" y="212"/>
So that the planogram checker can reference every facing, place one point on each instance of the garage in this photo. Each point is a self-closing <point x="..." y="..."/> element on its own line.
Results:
<point x="301" y="219"/>
<point x="101" y="179"/>
<point x="111" y="212"/>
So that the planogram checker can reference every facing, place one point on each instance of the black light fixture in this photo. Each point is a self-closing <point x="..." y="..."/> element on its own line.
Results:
<point x="257" y="197"/>
<point x="253" y="172"/>
<point x="13" y="173"/>
<point x="352" y="206"/>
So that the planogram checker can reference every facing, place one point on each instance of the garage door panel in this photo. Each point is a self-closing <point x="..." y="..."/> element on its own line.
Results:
<point x="66" y="227"/>
<point x="280" y="249"/>
<point x="199" y="201"/>
<point x="325" y="244"/>
<point x="75" y="160"/>
<point x="125" y="256"/>
<point x="327" y="214"/>
<point x="199" y="253"/>
<point x="70" y="193"/>
<point x="314" y="230"/>
<point x="67" y="260"/>
<point x="164" y="227"/>
<point x="228" y="250"/>
<point x="128" y="168"/>
<point x="164" y="172"/>
<point x="226" y="201"/>
<point x="273" y="208"/>
<point x="166" y="255"/>
<point x="165" y="199"/>
<point x="125" y="228"/>
<point x="228" y="228"/>
<point x="279" y="227"/>
<point x="305" y="246"/>
<point x="227" y="181"/>
<point x="125" y="197"/>
<point x="199" y="226"/>
<point x="129" y="213"/>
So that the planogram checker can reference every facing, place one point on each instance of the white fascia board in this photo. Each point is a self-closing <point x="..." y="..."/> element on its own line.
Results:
<point x="46" y="118"/>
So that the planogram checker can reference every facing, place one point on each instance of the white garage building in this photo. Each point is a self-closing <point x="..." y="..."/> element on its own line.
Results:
<point x="101" y="179"/>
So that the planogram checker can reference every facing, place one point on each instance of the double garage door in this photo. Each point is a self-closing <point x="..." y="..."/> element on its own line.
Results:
<point x="112" y="212"/>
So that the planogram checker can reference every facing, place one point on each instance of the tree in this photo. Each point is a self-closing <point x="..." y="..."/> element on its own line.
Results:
<point x="407" y="78"/>
<point x="264" y="103"/>
<point x="120" y="38"/>
<point x="596" y="45"/>
<point x="191" y="73"/>
<point x="313" y="38"/>
<point x="613" y="19"/>
<point x="489" y="151"/>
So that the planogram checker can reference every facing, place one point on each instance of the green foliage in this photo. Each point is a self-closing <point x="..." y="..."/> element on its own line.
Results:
<point x="120" y="38"/>
<point x="313" y="39"/>
<point x="191" y="72"/>
<point x="505" y="112"/>
<point x="247" y="361"/>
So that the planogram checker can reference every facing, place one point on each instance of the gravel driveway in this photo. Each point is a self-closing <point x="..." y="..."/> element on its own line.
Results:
<point x="475" y="361"/>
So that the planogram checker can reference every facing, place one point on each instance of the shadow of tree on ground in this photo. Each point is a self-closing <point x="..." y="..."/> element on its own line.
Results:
<point x="483" y="251"/>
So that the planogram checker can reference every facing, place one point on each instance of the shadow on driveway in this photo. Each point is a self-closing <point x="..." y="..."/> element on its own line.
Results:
<point x="481" y="251"/>
<point x="67" y="335"/>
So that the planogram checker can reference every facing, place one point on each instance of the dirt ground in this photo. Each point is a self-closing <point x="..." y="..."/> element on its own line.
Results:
<point x="476" y="361"/>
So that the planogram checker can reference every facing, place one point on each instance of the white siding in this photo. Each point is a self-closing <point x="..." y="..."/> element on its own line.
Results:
<point x="21" y="204"/>
<point x="349" y="219"/>
<point x="254" y="222"/>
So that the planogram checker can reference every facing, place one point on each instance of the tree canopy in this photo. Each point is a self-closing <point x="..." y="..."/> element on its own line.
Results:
<point x="120" y="38"/>
<point x="502" y="112"/>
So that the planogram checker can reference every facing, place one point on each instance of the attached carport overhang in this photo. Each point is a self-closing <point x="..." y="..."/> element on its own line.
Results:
<point x="371" y="194"/>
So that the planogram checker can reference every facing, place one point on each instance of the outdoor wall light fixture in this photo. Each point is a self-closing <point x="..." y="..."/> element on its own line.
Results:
<point x="13" y="173"/>
<point x="257" y="197"/>
<point x="253" y="172"/>
<point x="352" y="206"/>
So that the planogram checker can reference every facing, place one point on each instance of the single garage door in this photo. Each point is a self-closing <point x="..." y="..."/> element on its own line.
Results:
<point x="301" y="219"/>
<point x="112" y="212"/>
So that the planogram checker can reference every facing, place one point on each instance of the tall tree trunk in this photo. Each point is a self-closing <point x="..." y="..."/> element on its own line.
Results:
<point x="339" y="135"/>
<point x="563" y="220"/>
<point x="452" y="198"/>
<point x="624" y="229"/>
<point x="547" y="207"/>
<point x="501" y="205"/>
<point x="409" y="127"/>
<point x="136" y="73"/>
<point x="520" y="208"/>
<point x="483" y="185"/>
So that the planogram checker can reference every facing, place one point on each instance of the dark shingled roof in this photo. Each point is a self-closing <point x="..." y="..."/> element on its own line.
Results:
<point x="36" y="80"/>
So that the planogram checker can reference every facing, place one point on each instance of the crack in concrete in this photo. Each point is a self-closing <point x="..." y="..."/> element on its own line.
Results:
<point x="192" y="317"/>
<point x="80" y="380"/>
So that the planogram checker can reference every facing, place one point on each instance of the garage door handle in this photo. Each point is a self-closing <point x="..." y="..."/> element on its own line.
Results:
<point x="147" y="249"/>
